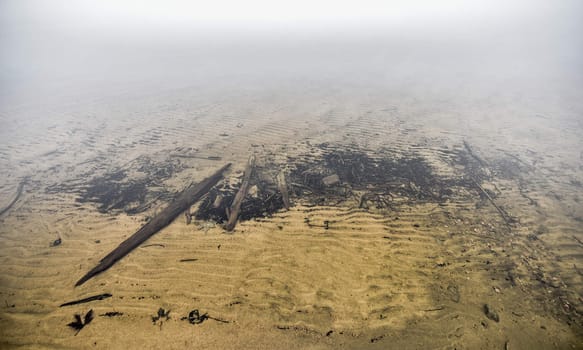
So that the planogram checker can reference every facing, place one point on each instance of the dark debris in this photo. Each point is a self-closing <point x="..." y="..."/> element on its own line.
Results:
<point x="79" y="324"/>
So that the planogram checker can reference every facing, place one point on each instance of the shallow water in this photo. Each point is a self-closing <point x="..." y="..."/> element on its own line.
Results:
<point x="330" y="272"/>
<point x="435" y="175"/>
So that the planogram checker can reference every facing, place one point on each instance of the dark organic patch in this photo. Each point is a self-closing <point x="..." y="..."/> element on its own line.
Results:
<point x="264" y="200"/>
<point x="509" y="168"/>
<point x="340" y="175"/>
<point x="328" y="175"/>
<point x="130" y="189"/>
<point x="110" y="194"/>
<point x="209" y="211"/>
<point x="379" y="180"/>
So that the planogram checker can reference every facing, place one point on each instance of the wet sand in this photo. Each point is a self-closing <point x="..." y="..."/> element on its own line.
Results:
<point x="415" y="275"/>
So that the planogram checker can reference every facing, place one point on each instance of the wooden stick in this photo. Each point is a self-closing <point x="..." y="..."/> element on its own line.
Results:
<point x="182" y="202"/>
<point x="507" y="219"/>
<point x="282" y="185"/>
<point x="236" y="205"/>
<point x="86" y="300"/>
<point x="18" y="193"/>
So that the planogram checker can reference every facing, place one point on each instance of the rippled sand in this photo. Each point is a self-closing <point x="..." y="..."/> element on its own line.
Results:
<point x="414" y="277"/>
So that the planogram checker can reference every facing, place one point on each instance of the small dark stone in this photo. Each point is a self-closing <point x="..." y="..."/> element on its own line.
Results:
<point x="56" y="242"/>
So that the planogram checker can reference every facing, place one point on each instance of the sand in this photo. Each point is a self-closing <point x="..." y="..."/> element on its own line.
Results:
<point x="414" y="277"/>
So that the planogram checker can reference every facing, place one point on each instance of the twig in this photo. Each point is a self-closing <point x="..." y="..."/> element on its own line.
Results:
<point x="307" y="188"/>
<point x="18" y="193"/>
<point x="86" y="300"/>
<point x="503" y="213"/>
<point x="236" y="205"/>
<point x="218" y="319"/>
<point x="439" y="308"/>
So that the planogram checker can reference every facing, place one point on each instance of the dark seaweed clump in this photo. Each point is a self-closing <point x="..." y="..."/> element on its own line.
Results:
<point x="381" y="179"/>
<point x="327" y="176"/>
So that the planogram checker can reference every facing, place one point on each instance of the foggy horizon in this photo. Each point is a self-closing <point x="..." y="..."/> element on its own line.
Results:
<point x="48" y="44"/>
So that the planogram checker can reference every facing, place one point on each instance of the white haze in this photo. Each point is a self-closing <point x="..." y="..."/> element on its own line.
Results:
<point x="53" y="47"/>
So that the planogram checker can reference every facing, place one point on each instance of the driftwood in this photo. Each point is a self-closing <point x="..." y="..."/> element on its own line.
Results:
<point x="235" y="208"/>
<point x="182" y="202"/>
<point x="507" y="218"/>
<point x="89" y="299"/>
<point x="474" y="155"/>
<point x="282" y="186"/>
<point x="18" y="193"/>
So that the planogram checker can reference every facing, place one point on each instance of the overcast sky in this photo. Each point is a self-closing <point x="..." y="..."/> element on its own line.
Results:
<point x="89" y="39"/>
<point x="128" y="14"/>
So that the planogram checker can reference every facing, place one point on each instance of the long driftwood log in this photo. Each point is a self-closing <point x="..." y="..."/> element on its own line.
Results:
<point x="236" y="205"/>
<point x="182" y="202"/>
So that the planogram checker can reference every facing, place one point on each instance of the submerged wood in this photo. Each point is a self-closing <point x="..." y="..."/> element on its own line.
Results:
<point x="235" y="208"/>
<point x="282" y="185"/>
<point x="182" y="202"/>
<point x="474" y="155"/>
<point x="89" y="299"/>
<point x="18" y="193"/>
<point x="507" y="218"/>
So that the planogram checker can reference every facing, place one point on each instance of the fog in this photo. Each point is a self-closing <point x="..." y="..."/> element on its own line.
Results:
<point x="48" y="47"/>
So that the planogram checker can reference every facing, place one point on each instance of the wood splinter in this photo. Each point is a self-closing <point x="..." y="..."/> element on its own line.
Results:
<point x="234" y="210"/>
